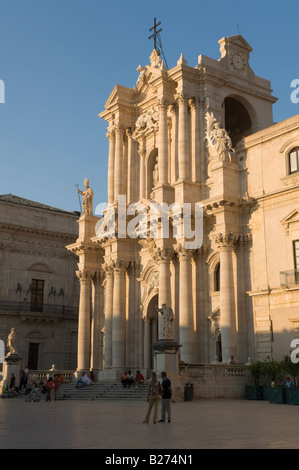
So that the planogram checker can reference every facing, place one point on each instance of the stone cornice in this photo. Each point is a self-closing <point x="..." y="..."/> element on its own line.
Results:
<point x="4" y="227"/>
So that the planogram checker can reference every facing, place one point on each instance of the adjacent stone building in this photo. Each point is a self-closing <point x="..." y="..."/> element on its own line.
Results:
<point x="200" y="137"/>
<point x="38" y="287"/>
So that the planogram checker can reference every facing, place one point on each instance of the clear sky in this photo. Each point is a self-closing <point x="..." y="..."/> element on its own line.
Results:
<point x="60" y="60"/>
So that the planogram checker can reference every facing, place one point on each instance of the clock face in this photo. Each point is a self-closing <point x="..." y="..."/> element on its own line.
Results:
<point x="238" y="62"/>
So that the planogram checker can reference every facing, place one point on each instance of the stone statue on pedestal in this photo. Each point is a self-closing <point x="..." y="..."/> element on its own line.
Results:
<point x="167" y="316"/>
<point x="87" y="198"/>
<point x="218" y="140"/>
<point x="11" y="340"/>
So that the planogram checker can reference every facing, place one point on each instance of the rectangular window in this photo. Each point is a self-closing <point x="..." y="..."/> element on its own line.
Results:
<point x="37" y="295"/>
<point x="33" y="356"/>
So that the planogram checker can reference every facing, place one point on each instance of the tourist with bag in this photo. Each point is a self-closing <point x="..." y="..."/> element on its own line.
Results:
<point x="154" y="392"/>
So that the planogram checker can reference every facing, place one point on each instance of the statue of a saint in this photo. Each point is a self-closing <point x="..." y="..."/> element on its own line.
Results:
<point x="156" y="174"/>
<point x="11" y="339"/>
<point x="87" y="198"/>
<point x="219" y="142"/>
<point x="167" y="316"/>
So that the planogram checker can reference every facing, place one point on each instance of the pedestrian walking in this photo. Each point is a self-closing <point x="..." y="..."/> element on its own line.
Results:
<point x="154" y="391"/>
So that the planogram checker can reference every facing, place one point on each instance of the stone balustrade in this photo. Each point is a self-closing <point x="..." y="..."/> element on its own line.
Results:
<point x="214" y="370"/>
<point x="43" y="375"/>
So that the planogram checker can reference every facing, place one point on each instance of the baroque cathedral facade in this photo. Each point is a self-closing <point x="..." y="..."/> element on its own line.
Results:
<point x="201" y="138"/>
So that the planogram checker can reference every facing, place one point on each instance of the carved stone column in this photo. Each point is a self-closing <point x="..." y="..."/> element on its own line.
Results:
<point x="147" y="341"/>
<point x="119" y="166"/>
<point x="119" y="315"/>
<point x="226" y="243"/>
<point x="195" y="141"/>
<point x="186" y="305"/>
<point x="108" y="269"/>
<point x="111" y="136"/>
<point x="141" y="152"/>
<point x="85" y="278"/>
<point x="174" y="149"/>
<point x="163" y="142"/>
<point x="131" y="168"/>
<point x="163" y="256"/>
<point x="183" y="157"/>
<point x="96" y="321"/>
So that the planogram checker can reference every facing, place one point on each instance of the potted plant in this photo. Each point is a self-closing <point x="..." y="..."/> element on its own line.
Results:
<point x="255" y="392"/>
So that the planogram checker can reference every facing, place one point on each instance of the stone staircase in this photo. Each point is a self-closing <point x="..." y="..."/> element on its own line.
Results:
<point x="109" y="391"/>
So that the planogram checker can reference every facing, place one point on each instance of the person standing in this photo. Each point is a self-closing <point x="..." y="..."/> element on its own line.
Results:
<point x="49" y="386"/>
<point x="154" y="391"/>
<point x="57" y="384"/>
<point x="166" y="397"/>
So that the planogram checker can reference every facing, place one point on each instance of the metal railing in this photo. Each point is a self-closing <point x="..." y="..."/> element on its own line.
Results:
<point x="15" y="306"/>
<point x="289" y="278"/>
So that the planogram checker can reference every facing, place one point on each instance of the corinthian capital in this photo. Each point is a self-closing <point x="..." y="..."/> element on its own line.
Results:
<point x="162" y="103"/>
<point x="225" y="239"/>
<point x="120" y="266"/>
<point x="84" y="275"/>
<point x="183" y="252"/>
<point x="111" y="133"/>
<point x="108" y="269"/>
<point x="181" y="98"/>
<point x="163" y="253"/>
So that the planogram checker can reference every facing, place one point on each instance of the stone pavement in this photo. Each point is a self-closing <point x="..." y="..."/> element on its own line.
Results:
<point x="202" y="424"/>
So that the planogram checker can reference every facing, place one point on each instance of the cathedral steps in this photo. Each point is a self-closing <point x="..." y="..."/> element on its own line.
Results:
<point x="109" y="391"/>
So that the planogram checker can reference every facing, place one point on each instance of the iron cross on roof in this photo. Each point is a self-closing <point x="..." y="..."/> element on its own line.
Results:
<point x="155" y="34"/>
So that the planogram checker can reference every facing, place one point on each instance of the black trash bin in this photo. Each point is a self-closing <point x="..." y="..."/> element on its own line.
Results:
<point x="188" y="392"/>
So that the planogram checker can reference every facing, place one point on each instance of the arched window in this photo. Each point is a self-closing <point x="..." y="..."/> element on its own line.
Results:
<point x="237" y="119"/>
<point x="217" y="278"/>
<point x="293" y="160"/>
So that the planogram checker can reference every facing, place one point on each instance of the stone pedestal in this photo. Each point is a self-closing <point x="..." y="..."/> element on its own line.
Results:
<point x="11" y="365"/>
<point x="166" y="356"/>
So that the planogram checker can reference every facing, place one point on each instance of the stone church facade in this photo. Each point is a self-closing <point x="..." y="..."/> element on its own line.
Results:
<point x="193" y="137"/>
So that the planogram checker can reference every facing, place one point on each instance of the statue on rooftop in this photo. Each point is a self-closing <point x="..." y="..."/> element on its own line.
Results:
<point x="87" y="198"/>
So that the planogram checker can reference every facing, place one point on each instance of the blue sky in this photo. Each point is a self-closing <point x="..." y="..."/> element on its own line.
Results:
<point x="60" y="59"/>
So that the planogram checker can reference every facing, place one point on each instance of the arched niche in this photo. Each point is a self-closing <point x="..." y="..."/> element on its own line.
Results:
<point x="150" y="169"/>
<point x="239" y="117"/>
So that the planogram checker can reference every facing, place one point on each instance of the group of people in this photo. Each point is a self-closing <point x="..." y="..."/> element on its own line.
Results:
<point x="128" y="379"/>
<point x="155" y="391"/>
<point x="34" y="391"/>
<point x="287" y="384"/>
<point x="45" y="388"/>
<point x="85" y="380"/>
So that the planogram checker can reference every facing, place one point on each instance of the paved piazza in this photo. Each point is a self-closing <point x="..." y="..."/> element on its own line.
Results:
<point x="204" y="424"/>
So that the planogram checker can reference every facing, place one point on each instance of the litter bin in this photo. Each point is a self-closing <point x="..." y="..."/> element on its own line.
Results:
<point x="188" y="392"/>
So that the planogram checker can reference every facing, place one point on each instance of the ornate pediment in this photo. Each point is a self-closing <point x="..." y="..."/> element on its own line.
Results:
<point x="291" y="221"/>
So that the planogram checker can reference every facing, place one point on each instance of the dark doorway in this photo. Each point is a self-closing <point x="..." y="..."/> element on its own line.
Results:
<point x="33" y="356"/>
